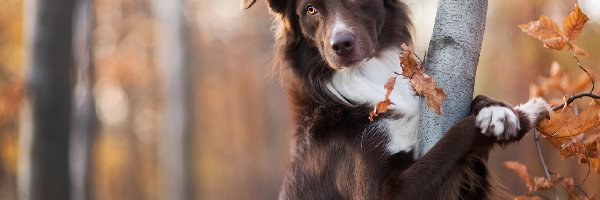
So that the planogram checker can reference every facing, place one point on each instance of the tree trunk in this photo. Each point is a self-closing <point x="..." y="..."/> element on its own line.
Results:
<point x="452" y="62"/>
<point x="173" y="59"/>
<point x="84" y="115"/>
<point x="49" y="85"/>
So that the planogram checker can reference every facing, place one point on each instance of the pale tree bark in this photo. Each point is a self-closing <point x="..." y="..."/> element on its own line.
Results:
<point x="452" y="61"/>
<point x="173" y="60"/>
<point x="84" y="115"/>
<point x="49" y="84"/>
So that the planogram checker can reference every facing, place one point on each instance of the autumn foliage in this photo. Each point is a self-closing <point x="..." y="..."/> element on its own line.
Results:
<point x="574" y="126"/>
<point x="422" y="84"/>
<point x="550" y="34"/>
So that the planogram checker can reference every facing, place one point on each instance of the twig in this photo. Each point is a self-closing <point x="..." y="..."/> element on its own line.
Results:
<point x="546" y="170"/>
<point x="586" y="71"/>
<point x="578" y="186"/>
<point x="574" y="97"/>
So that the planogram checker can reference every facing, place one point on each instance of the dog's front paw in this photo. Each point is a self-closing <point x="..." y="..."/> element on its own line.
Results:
<point x="498" y="121"/>
<point x="535" y="110"/>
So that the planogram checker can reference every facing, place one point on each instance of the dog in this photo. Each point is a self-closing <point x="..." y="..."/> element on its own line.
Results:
<point x="334" y="57"/>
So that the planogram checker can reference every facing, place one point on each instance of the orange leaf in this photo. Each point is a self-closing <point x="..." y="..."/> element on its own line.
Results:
<point x="382" y="106"/>
<point x="573" y="148"/>
<point x="546" y="31"/>
<point x="583" y="84"/>
<point x="564" y="124"/>
<point x="528" y="198"/>
<point x="521" y="170"/>
<point x="556" y="43"/>
<point x="575" y="49"/>
<point x="409" y="65"/>
<point x="424" y="86"/>
<point x="542" y="183"/>
<point x="573" y="24"/>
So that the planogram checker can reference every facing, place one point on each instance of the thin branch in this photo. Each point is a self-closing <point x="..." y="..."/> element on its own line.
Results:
<point x="575" y="97"/>
<point x="588" y="172"/>
<point x="578" y="186"/>
<point x="586" y="71"/>
<point x="543" y="161"/>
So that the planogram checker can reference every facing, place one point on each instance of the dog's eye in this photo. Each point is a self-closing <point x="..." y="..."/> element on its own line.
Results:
<point x="311" y="10"/>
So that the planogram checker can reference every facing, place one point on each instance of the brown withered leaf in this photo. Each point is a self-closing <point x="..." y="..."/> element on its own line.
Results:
<point x="582" y="84"/>
<point x="409" y="65"/>
<point x="575" y="196"/>
<point x="542" y="183"/>
<point x="382" y="106"/>
<point x="546" y="31"/>
<point x="575" y="49"/>
<point x="521" y="170"/>
<point x="564" y="124"/>
<point x="595" y="164"/>
<point x="556" y="43"/>
<point x="424" y="86"/>
<point x="528" y="198"/>
<point x="573" y="24"/>
<point x="544" y="28"/>
<point x="555" y="85"/>
<point x="572" y="149"/>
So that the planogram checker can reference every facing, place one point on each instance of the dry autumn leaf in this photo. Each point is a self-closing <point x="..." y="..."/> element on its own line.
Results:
<point x="528" y="198"/>
<point x="546" y="31"/>
<point x="557" y="84"/>
<point x="409" y="65"/>
<point x="550" y="34"/>
<point x="422" y="84"/>
<point x="521" y="170"/>
<point x="575" y="49"/>
<point x="382" y="106"/>
<point x="564" y="124"/>
<point x="573" y="24"/>
<point x="542" y="183"/>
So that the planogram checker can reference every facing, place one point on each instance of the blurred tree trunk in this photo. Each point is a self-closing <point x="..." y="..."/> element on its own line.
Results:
<point x="173" y="59"/>
<point x="84" y="121"/>
<point x="452" y="61"/>
<point x="50" y="95"/>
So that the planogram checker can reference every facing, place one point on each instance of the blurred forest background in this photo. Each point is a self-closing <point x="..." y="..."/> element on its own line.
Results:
<point x="167" y="99"/>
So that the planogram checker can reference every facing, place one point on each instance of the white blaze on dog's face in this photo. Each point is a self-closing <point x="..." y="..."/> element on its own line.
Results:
<point x="345" y="31"/>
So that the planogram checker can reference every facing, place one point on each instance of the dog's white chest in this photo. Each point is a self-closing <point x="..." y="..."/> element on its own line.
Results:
<point x="364" y="83"/>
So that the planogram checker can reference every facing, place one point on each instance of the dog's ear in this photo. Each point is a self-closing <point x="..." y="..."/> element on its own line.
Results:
<point x="247" y="4"/>
<point x="275" y="5"/>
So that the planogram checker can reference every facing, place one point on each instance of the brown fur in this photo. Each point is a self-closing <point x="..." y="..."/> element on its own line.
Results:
<point x="338" y="153"/>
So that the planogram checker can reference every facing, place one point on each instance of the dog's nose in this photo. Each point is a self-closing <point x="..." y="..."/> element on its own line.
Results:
<point x="343" y="44"/>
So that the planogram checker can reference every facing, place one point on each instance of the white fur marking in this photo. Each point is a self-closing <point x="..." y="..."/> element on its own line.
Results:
<point x="501" y="121"/>
<point x="533" y="108"/>
<point x="364" y="83"/>
<point x="339" y="26"/>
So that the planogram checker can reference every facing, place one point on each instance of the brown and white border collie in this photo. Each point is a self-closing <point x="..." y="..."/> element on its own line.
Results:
<point x="335" y="57"/>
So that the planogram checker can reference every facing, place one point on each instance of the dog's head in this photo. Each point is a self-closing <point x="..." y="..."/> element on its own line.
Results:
<point x="345" y="32"/>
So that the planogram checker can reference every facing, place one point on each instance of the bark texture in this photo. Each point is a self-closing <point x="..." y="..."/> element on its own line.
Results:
<point x="452" y="61"/>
